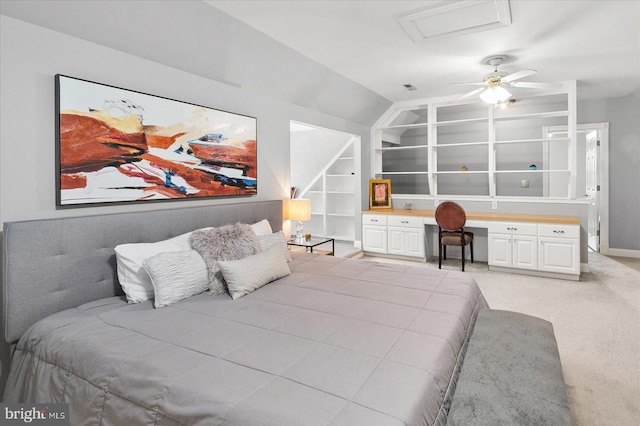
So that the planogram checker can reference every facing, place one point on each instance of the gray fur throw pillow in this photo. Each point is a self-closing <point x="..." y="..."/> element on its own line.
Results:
<point x="228" y="242"/>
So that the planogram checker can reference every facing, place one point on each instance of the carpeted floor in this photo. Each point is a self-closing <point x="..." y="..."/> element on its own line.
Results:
<point x="597" y="326"/>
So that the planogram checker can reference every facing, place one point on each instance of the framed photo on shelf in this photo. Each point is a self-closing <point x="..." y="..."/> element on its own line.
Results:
<point x="379" y="194"/>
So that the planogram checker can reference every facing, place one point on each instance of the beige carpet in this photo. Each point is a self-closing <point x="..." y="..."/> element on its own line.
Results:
<point x="597" y="326"/>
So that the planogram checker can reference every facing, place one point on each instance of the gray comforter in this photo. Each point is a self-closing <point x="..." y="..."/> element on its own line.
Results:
<point x="338" y="342"/>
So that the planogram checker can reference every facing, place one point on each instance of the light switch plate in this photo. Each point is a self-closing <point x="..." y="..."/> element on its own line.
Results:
<point x="494" y="205"/>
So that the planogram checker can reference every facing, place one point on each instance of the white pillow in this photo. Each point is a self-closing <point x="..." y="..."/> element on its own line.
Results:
<point x="275" y="239"/>
<point x="176" y="276"/>
<point x="262" y="228"/>
<point x="246" y="275"/>
<point x="133" y="278"/>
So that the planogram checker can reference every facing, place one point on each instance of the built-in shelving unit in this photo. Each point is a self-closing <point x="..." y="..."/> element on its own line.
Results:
<point x="332" y="195"/>
<point x="445" y="147"/>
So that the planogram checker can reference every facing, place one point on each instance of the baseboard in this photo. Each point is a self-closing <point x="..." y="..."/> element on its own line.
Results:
<point x="621" y="252"/>
<point x="536" y="273"/>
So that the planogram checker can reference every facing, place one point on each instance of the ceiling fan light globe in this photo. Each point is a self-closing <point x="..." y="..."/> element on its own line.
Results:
<point x="496" y="94"/>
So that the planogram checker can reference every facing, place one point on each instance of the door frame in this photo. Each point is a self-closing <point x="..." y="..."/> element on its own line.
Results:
<point x="603" y="176"/>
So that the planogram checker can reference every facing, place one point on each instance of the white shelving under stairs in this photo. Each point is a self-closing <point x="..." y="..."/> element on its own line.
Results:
<point x="332" y="194"/>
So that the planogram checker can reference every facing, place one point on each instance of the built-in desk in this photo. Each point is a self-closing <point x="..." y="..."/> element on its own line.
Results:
<point x="545" y="245"/>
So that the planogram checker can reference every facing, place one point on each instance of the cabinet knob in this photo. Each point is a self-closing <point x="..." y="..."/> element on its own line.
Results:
<point x="404" y="221"/>
<point x="374" y="220"/>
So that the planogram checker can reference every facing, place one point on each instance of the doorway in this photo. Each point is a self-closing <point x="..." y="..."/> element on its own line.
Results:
<point x="592" y="179"/>
<point x="325" y="168"/>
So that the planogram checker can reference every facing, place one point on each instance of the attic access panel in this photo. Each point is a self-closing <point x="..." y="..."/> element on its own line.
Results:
<point x="448" y="19"/>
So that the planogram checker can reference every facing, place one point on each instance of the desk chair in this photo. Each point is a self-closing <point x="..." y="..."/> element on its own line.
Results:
<point x="451" y="218"/>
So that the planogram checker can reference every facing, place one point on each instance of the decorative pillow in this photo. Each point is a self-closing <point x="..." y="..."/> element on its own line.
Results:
<point x="228" y="242"/>
<point x="176" y="276"/>
<point x="129" y="257"/>
<point x="262" y="228"/>
<point x="275" y="239"/>
<point x="246" y="275"/>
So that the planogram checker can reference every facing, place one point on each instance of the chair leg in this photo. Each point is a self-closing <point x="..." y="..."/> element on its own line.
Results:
<point x="444" y="251"/>
<point x="463" y="254"/>
<point x="471" y="246"/>
<point x="439" y="249"/>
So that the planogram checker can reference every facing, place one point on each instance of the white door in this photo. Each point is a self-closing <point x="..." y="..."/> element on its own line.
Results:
<point x="375" y="238"/>
<point x="414" y="242"/>
<point x="396" y="240"/>
<point x="592" y="183"/>
<point x="559" y="255"/>
<point x="525" y="252"/>
<point x="500" y="250"/>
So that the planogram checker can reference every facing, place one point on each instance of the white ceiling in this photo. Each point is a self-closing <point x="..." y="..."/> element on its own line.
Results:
<point x="594" y="42"/>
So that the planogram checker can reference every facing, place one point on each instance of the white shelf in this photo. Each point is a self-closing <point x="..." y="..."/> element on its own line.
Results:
<point x="447" y="145"/>
<point x="341" y="176"/>
<point x="402" y="173"/>
<point x="400" y="148"/>
<point x="548" y="114"/>
<point x="463" y="121"/>
<point x="533" y="140"/>
<point x="531" y="171"/>
<point x="461" y="172"/>
<point x="405" y="126"/>
<point x="341" y="214"/>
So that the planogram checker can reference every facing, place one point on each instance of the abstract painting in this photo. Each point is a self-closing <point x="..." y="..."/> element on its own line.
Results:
<point x="115" y="145"/>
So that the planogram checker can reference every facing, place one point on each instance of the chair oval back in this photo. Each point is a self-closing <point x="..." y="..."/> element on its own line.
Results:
<point x="450" y="216"/>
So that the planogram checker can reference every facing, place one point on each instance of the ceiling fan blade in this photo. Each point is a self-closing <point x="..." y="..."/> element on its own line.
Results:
<point x="531" y="85"/>
<point x="467" y="84"/>
<point x="517" y="75"/>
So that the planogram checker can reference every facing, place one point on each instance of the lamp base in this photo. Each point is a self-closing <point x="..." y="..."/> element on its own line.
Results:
<point x="299" y="232"/>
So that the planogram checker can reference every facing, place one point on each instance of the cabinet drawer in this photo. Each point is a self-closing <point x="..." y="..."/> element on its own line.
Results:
<point x="515" y="228"/>
<point x="406" y="221"/>
<point x="374" y="219"/>
<point x="558" y="231"/>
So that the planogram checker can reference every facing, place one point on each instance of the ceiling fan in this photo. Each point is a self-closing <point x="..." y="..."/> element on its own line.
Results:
<point x="495" y="84"/>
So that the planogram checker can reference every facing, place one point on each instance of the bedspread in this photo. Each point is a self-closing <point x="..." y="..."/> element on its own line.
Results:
<point x="337" y="342"/>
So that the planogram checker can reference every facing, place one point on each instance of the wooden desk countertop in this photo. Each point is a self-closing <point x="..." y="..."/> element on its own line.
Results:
<point x="516" y="217"/>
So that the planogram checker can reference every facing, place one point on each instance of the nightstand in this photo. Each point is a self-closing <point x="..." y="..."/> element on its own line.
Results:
<point x="314" y="242"/>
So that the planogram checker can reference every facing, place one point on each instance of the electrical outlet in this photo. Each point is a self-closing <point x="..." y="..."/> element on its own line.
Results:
<point x="494" y="205"/>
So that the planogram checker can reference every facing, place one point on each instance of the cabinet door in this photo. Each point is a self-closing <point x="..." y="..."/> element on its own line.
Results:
<point x="525" y="252"/>
<point x="374" y="238"/>
<point x="414" y="242"/>
<point x="500" y="250"/>
<point x="396" y="243"/>
<point x="559" y="255"/>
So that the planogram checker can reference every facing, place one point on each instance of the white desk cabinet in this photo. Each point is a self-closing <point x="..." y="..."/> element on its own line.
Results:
<point x="559" y="248"/>
<point x="405" y="236"/>
<point x="374" y="233"/>
<point x="513" y="245"/>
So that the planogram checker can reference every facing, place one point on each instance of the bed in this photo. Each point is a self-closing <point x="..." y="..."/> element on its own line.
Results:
<point x="336" y="342"/>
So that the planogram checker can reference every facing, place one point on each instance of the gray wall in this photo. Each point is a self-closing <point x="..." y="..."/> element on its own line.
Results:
<point x="311" y="150"/>
<point x="623" y="115"/>
<point x="267" y="84"/>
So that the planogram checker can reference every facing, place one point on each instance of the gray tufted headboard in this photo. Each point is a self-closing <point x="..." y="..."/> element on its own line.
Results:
<point x="51" y="265"/>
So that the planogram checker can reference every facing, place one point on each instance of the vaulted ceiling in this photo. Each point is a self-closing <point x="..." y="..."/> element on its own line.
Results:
<point x="384" y="45"/>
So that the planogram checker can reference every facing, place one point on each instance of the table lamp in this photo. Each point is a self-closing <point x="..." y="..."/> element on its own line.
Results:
<point x="299" y="209"/>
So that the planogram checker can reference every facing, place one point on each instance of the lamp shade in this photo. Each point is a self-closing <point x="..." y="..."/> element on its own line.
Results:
<point x="495" y="94"/>
<point x="299" y="209"/>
